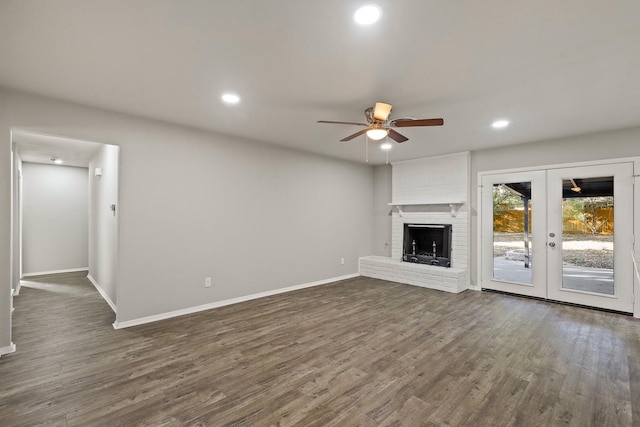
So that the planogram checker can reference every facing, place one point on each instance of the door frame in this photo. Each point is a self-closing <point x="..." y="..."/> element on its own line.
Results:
<point x="636" y="212"/>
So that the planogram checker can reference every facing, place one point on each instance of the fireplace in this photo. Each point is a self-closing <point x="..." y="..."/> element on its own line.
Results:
<point x="427" y="244"/>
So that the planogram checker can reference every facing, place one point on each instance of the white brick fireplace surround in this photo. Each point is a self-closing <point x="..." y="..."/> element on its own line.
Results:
<point x="433" y="190"/>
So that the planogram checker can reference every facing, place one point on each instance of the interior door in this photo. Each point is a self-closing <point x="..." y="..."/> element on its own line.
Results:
<point x="513" y="225"/>
<point x="590" y="235"/>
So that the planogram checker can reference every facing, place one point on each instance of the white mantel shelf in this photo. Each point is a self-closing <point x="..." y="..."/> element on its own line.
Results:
<point x="429" y="202"/>
<point x="454" y="205"/>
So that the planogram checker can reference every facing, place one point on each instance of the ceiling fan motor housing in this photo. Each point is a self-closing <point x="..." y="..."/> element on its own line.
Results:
<point x="368" y="113"/>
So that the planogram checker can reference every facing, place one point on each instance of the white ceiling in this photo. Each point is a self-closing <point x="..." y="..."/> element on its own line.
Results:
<point x="553" y="68"/>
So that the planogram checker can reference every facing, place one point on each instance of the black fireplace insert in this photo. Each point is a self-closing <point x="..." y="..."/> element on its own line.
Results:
<point x="427" y="244"/>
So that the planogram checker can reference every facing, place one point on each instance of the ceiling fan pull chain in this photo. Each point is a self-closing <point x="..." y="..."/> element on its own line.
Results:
<point x="387" y="141"/>
<point x="366" y="148"/>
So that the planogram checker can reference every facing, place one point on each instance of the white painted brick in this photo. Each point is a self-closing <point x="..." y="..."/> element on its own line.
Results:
<point x="437" y="180"/>
<point x="446" y="279"/>
<point x="431" y="178"/>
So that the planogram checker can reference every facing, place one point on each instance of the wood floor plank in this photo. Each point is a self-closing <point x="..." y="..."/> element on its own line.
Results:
<point x="360" y="352"/>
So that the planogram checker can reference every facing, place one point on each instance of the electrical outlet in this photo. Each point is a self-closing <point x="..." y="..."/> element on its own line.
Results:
<point x="342" y="261"/>
<point x="207" y="282"/>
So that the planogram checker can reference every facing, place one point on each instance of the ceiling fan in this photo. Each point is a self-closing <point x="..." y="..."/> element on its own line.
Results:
<point x="379" y="125"/>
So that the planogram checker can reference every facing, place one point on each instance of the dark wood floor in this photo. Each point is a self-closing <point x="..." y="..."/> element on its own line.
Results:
<point x="358" y="352"/>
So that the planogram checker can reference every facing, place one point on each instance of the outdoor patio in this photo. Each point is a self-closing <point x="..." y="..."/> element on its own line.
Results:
<point x="587" y="261"/>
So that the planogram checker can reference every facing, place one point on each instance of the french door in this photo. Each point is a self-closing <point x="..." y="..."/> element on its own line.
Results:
<point x="563" y="234"/>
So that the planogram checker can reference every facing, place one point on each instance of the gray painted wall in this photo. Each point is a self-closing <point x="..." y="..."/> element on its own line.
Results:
<point x="55" y="218"/>
<point x="193" y="204"/>
<point x="103" y="222"/>
<point x="381" y="210"/>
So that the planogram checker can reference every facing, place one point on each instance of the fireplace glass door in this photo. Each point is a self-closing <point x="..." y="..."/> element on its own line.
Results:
<point x="427" y="244"/>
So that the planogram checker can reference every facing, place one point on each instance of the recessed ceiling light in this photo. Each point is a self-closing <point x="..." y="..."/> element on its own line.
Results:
<point x="230" y="98"/>
<point x="56" y="160"/>
<point x="386" y="146"/>
<point x="499" y="124"/>
<point x="367" y="15"/>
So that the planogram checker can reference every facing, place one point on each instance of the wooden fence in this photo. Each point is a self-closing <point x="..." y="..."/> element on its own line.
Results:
<point x="512" y="221"/>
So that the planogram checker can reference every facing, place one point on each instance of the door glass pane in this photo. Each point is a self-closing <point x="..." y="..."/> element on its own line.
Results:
<point x="587" y="235"/>
<point x="511" y="238"/>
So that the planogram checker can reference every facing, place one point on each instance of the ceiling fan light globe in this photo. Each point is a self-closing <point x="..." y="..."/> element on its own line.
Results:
<point x="377" y="134"/>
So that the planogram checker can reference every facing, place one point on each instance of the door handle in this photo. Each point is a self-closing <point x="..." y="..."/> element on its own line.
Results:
<point x="552" y="244"/>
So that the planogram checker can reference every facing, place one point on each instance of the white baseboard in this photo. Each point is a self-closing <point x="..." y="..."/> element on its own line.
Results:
<point x="42" y="273"/>
<point x="203" y="307"/>
<point x="8" y="349"/>
<point x="102" y="293"/>
<point x="15" y="292"/>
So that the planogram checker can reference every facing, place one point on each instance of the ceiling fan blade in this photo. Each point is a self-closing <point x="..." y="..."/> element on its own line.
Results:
<point x="343" y="123"/>
<point x="381" y="111"/>
<point x="397" y="137"/>
<point x="350" y="137"/>
<point x="404" y="123"/>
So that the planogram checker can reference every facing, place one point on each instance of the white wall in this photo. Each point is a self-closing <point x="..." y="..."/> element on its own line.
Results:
<point x="55" y="218"/>
<point x="103" y="222"/>
<point x="16" y="259"/>
<point x="597" y="146"/>
<point x="429" y="180"/>
<point x="254" y="217"/>
<point x="605" y="145"/>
